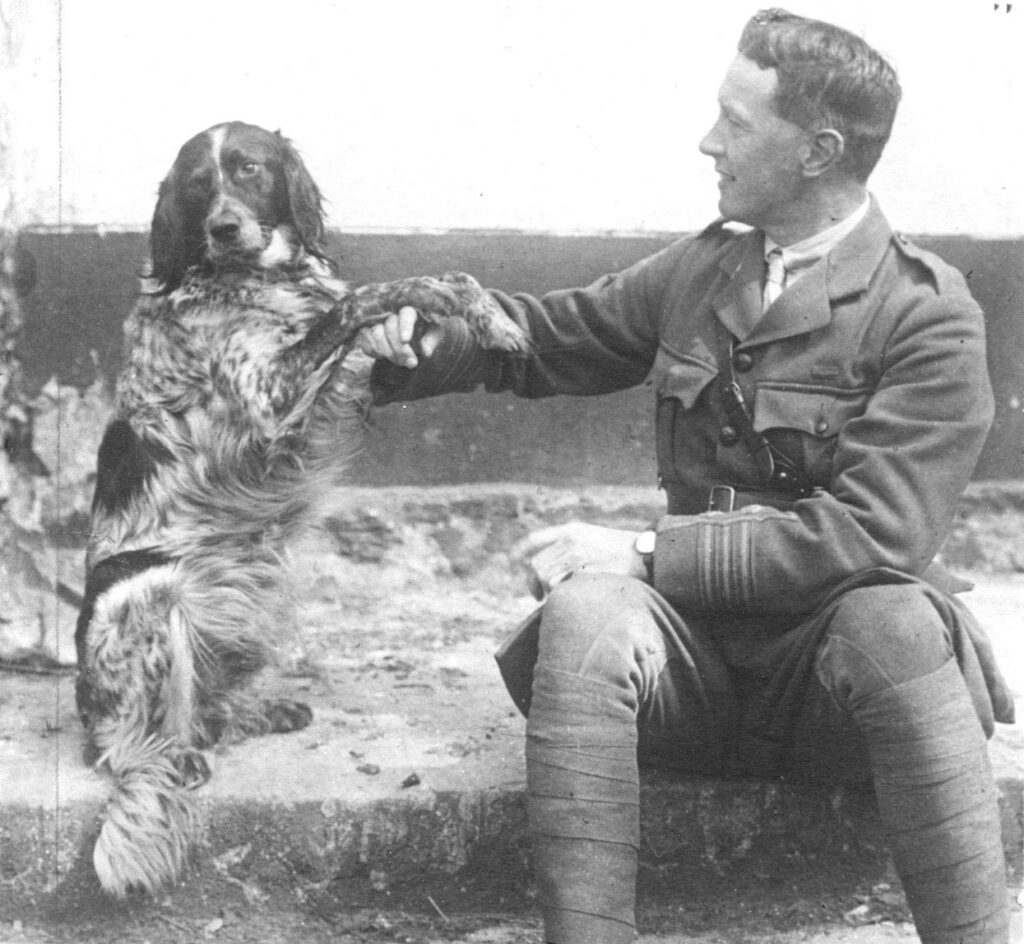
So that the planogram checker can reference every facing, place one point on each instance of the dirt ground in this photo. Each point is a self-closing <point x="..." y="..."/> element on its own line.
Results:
<point x="377" y="596"/>
<point x="212" y="907"/>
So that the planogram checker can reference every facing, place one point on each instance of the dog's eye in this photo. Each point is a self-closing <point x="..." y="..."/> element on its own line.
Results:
<point x="248" y="168"/>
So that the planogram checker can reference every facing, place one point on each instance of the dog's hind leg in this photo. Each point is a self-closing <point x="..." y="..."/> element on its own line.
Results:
<point x="240" y="715"/>
<point x="284" y="715"/>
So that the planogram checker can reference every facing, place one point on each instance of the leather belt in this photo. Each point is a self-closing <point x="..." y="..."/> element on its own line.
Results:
<point x="730" y="498"/>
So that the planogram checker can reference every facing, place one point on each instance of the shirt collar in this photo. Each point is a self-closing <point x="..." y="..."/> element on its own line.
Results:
<point x="808" y="251"/>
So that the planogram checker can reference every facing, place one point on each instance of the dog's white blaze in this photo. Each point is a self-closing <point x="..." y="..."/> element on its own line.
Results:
<point x="217" y="136"/>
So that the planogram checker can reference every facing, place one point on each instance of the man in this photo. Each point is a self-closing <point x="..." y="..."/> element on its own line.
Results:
<point x="822" y="399"/>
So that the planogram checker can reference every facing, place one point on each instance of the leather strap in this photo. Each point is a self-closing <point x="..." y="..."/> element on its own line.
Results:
<point x="778" y="473"/>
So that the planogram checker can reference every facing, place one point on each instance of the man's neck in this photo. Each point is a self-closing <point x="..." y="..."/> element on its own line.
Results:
<point x="817" y="213"/>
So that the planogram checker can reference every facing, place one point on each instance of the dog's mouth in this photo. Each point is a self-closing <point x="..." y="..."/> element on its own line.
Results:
<point x="262" y="245"/>
<point x="229" y="244"/>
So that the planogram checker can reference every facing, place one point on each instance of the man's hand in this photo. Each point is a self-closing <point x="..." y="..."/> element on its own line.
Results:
<point x="552" y="554"/>
<point x="392" y="339"/>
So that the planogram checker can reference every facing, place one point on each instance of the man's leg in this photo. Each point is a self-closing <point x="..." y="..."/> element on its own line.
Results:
<point x="888" y="662"/>
<point x="613" y="657"/>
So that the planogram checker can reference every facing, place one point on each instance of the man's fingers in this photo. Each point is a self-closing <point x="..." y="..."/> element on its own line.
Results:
<point x="386" y="339"/>
<point x="540" y="586"/>
<point x="548" y="564"/>
<point x="407" y="318"/>
<point x="536" y="541"/>
<point x="372" y="341"/>
<point x="394" y="339"/>
<point x="400" y="348"/>
<point x="429" y="342"/>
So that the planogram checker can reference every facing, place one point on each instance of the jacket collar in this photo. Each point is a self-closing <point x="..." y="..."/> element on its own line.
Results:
<point x="807" y="304"/>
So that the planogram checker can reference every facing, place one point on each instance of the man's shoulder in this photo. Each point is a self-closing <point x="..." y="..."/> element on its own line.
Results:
<point x="943" y="278"/>
<point x="709" y="244"/>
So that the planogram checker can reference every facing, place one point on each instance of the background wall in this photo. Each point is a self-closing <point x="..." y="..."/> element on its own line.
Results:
<point x="86" y="282"/>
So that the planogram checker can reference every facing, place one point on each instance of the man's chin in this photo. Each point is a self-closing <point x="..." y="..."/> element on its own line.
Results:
<point x="733" y="214"/>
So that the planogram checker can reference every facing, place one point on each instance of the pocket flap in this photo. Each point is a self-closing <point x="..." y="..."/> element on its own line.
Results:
<point x="681" y="377"/>
<point x="817" y="411"/>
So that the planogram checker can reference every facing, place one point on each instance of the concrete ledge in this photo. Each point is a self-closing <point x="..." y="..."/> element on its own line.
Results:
<point x="413" y="765"/>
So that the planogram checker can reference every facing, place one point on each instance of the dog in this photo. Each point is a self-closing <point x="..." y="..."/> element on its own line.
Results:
<point x="236" y="409"/>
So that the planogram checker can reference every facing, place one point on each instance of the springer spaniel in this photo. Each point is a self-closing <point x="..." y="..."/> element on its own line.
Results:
<point x="235" y="413"/>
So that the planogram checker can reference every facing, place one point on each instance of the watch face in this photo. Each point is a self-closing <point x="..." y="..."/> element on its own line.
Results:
<point x="645" y="542"/>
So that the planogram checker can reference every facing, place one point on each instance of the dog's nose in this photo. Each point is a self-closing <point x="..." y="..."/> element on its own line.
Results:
<point x="224" y="231"/>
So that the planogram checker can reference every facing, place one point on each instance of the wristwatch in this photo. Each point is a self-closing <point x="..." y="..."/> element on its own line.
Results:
<point x="644" y="546"/>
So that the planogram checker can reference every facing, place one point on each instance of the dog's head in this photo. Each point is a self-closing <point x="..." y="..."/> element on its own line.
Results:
<point x="237" y="196"/>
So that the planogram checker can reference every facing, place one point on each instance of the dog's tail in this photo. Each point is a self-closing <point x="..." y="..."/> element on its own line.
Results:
<point x="152" y="820"/>
<point x="152" y="817"/>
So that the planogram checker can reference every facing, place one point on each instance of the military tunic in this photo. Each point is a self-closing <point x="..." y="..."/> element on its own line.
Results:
<point x="869" y="373"/>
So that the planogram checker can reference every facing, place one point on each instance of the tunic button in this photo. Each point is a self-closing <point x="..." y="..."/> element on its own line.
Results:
<point x="728" y="436"/>
<point x="743" y="361"/>
<point x="821" y="427"/>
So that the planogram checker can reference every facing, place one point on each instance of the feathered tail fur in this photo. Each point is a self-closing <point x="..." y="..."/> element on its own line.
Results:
<point x="168" y="650"/>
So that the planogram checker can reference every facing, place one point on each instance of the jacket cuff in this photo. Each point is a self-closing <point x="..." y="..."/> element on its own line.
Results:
<point x="706" y="562"/>
<point x="456" y="366"/>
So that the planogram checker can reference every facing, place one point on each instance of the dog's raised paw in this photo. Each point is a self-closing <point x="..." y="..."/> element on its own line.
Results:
<point x="498" y="332"/>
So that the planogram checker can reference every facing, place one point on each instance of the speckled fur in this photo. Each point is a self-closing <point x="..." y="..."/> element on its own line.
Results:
<point x="237" y="407"/>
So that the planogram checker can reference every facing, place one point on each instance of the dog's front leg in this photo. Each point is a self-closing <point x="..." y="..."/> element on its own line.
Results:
<point x="453" y="295"/>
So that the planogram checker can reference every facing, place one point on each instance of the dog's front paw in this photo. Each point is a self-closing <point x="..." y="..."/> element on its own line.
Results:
<point x="493" y="328"/>
<point x="498" y="332"/>
<point x="284" y="715"/>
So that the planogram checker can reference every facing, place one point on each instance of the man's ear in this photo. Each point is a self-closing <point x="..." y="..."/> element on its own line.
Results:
<point x="824" y="150"/>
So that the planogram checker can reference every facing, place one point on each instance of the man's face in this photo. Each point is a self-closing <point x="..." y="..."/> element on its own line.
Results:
<point x="757" y="153"/>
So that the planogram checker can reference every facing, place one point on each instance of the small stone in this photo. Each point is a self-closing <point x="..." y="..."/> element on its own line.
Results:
<point x="857" y="915"/>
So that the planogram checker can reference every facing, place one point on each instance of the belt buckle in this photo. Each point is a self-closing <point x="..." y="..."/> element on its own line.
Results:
<point x="721" y="498"/>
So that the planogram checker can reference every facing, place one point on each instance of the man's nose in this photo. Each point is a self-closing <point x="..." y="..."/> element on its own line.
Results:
<point x="710" y="145"/>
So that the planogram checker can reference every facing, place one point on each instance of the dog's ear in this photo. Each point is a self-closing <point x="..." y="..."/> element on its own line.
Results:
<point x="168" y="249"/>
<point x="305" y="203"/>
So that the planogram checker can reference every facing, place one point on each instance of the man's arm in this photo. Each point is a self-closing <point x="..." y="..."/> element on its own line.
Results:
<point x="591" y="340"/>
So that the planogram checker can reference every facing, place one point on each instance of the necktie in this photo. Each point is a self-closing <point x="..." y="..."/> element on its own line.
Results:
<point x="776" y="278"/>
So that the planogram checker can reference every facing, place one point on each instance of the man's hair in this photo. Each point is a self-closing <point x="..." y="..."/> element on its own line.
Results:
<point x="828" y="78"/>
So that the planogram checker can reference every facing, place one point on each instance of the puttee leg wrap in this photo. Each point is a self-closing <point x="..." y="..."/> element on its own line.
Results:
<point x="938" y="803"/>
<point x="583" y="784"/>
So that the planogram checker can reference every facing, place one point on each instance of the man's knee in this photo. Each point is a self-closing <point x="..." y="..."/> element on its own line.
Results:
<point x="595" y="616"/>
<point x="880" y="637"/>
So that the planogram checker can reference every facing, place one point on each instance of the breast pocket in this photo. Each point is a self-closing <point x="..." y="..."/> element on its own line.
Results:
<point x="805" y="422"/>
<point x="679" y="382"/>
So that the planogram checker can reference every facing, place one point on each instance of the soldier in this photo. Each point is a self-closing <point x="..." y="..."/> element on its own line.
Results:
<point x="822" y="399"/>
